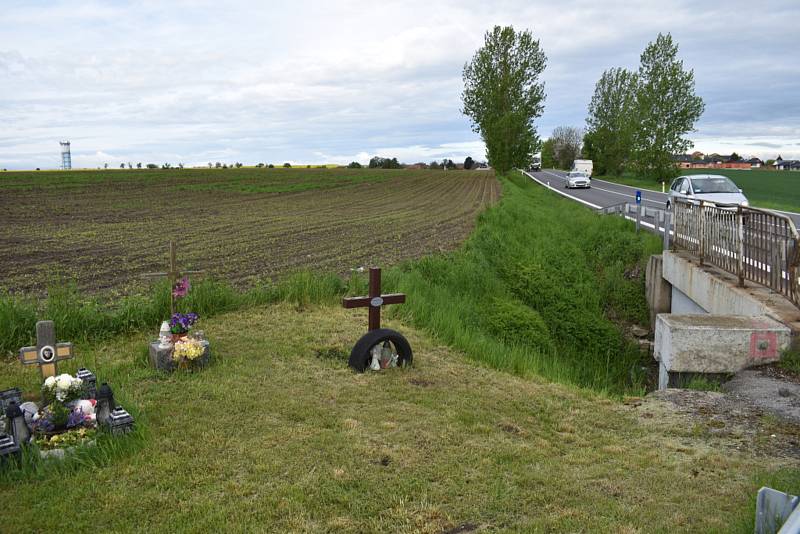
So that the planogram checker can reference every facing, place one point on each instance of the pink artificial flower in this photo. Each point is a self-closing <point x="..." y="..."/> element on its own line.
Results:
<point x="181" y="288"/>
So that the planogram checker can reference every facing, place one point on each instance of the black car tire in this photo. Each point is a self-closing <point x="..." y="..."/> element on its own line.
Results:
<point x="360" y="355"/>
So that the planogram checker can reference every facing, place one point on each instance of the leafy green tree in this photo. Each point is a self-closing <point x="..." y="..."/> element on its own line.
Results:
<point x="354" y="165"/>
<point x="736" y="157"/>
<point x="287" y="165"/>
<point x="503" y="95"/>
<point x="468" y="163"/>
<point x="548" y="155"/>
<point x="567" y="141"/>
<point x="611" y="121"/>
<point x="666" y="110"/>
<point x="435" y="165"/>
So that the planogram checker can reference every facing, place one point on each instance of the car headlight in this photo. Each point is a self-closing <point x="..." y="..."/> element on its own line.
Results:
<point x="745" y="203"/>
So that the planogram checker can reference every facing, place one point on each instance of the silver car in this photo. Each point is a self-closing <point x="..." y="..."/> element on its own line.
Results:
<point x="577" y="179"/>
<point x="710" y="188"/>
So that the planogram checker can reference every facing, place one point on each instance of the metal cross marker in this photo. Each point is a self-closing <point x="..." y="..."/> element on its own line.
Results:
<point x="374" y="300"/>
<point x="47" y="353"/>
<point x="173" y="275"/>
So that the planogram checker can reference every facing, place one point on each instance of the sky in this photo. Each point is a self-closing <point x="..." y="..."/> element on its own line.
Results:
<point x="332" y="82"/>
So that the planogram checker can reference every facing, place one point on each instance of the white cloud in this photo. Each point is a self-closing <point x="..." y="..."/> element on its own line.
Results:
<point x="247" y="81"/>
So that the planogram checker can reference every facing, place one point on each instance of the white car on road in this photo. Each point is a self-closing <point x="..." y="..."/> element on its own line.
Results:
<point x="710" y="188"/>
<point x="577" y="179"/>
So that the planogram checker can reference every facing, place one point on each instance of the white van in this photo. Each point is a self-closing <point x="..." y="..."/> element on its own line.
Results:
<point x="583" y="165"/>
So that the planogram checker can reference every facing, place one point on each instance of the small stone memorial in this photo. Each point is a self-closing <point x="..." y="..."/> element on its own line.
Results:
<point x="380" y="348"/>
<point x="69" y="414"/>
<point x="178" y="347"/>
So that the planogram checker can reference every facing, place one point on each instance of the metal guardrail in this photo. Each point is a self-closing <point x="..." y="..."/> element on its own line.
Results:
<point x="757" y="245"/>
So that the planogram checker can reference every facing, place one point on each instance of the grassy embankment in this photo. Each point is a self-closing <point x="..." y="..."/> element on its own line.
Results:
<point x="778" y="190"/>
<point x="277" y="434"/>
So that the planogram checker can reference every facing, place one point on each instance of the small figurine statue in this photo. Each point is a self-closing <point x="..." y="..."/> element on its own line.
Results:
<point x="376" y="354"/>
<point x="165" y="336"/>
<point x="386" y="355"/>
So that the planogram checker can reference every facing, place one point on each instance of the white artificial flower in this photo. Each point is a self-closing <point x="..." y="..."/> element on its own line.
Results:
<point x="50" y="381"/>
<point x="61" y="395"/>
<point x="64" y="381"/>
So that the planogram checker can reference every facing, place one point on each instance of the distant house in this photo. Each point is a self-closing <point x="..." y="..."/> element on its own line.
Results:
<point x="683" y="161"/>
<point x="713" y="161"/>
<point x="755" y="163"/>
<point x="787" y="165"/>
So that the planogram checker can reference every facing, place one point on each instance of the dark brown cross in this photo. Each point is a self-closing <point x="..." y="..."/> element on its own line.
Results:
<point x="173" y="275"/>
<point x="374" y="300"/>
<point x="47" y="353"/>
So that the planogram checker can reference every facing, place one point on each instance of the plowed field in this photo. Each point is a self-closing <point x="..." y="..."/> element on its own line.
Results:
<point x="103" y="229"/>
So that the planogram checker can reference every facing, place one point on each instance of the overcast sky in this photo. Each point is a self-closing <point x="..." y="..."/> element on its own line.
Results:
<point x="312" y="82"/>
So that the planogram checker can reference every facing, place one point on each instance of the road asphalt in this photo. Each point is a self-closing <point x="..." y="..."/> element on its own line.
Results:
<point x="603" y="194"/>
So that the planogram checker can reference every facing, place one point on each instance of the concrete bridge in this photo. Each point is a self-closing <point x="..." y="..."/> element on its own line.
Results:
<point x="725" y="293"/>
<point x="727" y="296"/>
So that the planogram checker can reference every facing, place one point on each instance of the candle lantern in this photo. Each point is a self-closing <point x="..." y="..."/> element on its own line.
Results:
<point x="7" y="395"/>
<point x="89" y="383"/>
<point x="120" y="421"/>
<point x="165" y="336"/>
<point x="16" y="424"/>
<point x="8" y="448"/>
<point x="105" y="403"/>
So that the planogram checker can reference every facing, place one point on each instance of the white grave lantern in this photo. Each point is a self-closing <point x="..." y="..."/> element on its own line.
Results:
<point x="165" y="336"/>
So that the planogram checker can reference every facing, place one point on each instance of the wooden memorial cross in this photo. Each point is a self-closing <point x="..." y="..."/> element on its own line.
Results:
<point x="374" y="300"/>
<point x="173" y="275"/>
<point x="47" y="353"/>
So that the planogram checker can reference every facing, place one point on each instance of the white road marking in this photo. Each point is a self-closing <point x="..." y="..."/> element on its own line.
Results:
<point x="562" y="193"/>
<point x="595" y="206"/>
<point x="617" y="192"/>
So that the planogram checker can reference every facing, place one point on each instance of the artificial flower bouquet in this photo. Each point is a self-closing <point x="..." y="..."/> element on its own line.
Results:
<point x="187" y="351"/>
<point x="180" y="323"/>
<point x="63" y="407"/>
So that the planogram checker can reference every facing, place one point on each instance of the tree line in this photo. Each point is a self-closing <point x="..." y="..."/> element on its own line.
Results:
<point x="636" y="120"/>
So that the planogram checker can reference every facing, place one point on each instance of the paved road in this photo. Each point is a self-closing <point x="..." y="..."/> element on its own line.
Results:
<point x="603" y="194"/>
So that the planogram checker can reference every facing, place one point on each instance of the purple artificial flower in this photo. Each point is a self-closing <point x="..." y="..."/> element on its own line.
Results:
<point x="75" y="418"/>
<point x="181" y="322"/>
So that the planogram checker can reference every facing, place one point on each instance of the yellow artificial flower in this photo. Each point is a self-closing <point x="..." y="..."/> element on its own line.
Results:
<point x="190" y="349"/>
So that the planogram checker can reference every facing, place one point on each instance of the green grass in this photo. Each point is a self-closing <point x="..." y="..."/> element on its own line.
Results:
<point x="701" y="383"/>
<point x="790" y="360"/>
<point x="540" y="287"/>
<point x="278" y="435"/>
<point x="82" y="318"/>
<point x="778" y="190"/>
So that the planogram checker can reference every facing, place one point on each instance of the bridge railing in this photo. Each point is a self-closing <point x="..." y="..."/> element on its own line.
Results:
<point x="757" y="245"/>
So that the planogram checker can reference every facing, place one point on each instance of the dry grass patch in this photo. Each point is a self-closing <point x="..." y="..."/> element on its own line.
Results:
<point x="274" y="437"/>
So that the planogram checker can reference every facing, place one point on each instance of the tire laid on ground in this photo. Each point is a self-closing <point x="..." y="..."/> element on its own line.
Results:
<point x="360" y="356"/>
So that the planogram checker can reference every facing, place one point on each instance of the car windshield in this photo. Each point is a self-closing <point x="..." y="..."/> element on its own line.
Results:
<point x="713" y="184"/>
<point x="577" y="175"/>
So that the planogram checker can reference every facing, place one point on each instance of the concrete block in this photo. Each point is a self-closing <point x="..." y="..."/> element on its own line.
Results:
<point x="657" y="290"/>
<point x="717" y="343"/>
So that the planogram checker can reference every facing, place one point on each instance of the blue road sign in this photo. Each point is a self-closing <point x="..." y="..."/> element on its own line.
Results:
<point x="638" y="197"/>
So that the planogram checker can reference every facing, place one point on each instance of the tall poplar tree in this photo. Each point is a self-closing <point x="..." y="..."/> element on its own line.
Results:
<point x="667" y="109"/>
<point x="612" y="121"/>
<point x="503" y="96"/>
